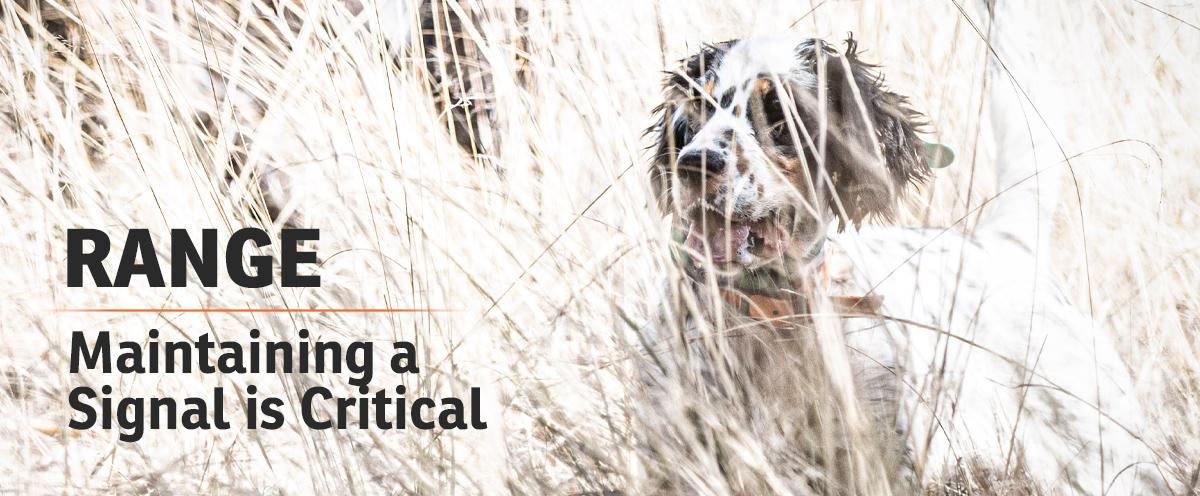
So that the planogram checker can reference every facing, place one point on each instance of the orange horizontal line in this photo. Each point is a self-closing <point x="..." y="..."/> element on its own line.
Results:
<point x="254" y="310"/>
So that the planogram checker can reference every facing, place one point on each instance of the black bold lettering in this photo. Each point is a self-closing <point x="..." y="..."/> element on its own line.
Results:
<point x="292" y="256"/>
<point x="308" y="413"/>
<point x="203" y="260"/>
<point x="93" y="260"/>
<point x="139" y="244"/>
<point x="261" y="263"/>
<point x="75" y="399"/>
<point x="79" y="349"/>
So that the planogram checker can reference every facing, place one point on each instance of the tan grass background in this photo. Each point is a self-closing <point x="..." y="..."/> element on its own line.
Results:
<point x="555" y="262"/>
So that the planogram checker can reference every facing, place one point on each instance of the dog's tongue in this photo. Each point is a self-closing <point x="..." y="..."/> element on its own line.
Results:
<point x="729" y="241"/>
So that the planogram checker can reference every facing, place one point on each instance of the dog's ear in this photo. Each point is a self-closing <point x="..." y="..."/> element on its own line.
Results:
<point x="667" y="136"/>
<point x="873" y="153"/>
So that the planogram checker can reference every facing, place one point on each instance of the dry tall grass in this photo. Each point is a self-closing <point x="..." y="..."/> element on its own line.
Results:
<point x="555" y="257"/>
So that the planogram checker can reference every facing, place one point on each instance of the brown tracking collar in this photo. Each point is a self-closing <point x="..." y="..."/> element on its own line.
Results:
<point x="765" y="308"/>
<point x="778" y="304"/>
<point x="762" y="298"/>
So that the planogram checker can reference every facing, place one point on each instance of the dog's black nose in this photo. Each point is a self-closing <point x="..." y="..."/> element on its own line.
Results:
<point x="702" y="160"/>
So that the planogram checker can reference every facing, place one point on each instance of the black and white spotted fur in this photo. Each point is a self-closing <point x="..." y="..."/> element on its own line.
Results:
<point x="977" y="362"/>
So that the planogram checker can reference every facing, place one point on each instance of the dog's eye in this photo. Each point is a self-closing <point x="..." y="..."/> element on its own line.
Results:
<point x="727" y="98"/>
<point x="703" y="106"/>
<point x="776" y="118"/>
<point x="773" y="108"/>
<point x="681" y="133"/>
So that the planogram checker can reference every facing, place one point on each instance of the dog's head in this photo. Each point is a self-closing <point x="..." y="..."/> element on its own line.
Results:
<point x="762" y="143"/>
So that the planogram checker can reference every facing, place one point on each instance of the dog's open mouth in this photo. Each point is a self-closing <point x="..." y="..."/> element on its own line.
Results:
<point x="735" y="242"/>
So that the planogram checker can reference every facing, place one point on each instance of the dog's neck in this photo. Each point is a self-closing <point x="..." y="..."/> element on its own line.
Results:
<point x="774" y="295"/>
<point x="779" y="295"/>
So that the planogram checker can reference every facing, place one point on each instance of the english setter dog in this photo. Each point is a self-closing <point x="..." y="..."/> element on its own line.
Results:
<point x="953" y="348"/>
